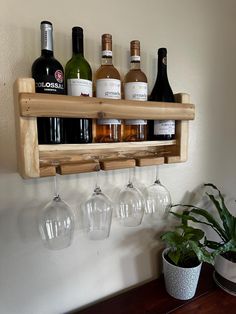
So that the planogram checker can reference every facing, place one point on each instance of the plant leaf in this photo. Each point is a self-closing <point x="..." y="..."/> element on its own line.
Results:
<point x="202" y="254"/>
<point x="212" y="244"/>
<point x="172" y="238"/>
<point x="225" y="247"/>
<point x="191" y="218"/>
<point x="174" y="256"/>
<point x="191" y="233"/>
<point x="228" y="220"/>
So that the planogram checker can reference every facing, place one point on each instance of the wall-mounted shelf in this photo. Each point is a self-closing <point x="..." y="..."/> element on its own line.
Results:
<point x="36" y="160"/>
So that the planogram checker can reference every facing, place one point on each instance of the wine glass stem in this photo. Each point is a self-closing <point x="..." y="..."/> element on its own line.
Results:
<point x="96" y="180"/>
<point x="156" y="173"/>
<point x="131" y="175"/>
<point x="56" y="194"/>
<point x="157" y="176"/>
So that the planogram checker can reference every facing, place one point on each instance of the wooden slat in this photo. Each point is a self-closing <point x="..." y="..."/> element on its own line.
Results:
<point x="26" y="134"/>
<point x="182" y="143"/>
<point x="113" y="164"/>
<point x="46" y="105"/>
<point x="182" y="134"/>
<point x="74" y="155"/>
<point x="103" y="146"/>
<point x="78" y="167"/>
<point x="149" y="161"/>
<point x="47" y="171"/>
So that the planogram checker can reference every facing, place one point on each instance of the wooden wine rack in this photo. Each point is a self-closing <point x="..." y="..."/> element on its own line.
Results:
<point x="36" y="160"/>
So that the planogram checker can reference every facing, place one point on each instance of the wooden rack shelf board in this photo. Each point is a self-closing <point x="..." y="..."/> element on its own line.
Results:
<point x="36" y="160"/>
<point x="48" y="105"/>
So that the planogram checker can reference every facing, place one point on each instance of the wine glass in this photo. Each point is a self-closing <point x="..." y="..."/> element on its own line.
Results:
<point x="56" y="222"/>
<point x="158" y="199"/>
<point x="130" y="205"/>
<point x="97" y="213"/>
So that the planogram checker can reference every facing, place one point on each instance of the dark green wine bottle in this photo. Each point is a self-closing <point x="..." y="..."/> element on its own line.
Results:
<point x="162" y="129"/>
<point x="78" y="76"/>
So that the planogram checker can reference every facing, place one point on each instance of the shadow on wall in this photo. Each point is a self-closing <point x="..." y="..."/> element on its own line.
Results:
<point x="14" y="63"/>
<point x="146" y="246"/>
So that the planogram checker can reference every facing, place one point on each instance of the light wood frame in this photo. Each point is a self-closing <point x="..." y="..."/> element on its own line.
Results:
<point x="36" y="160"/>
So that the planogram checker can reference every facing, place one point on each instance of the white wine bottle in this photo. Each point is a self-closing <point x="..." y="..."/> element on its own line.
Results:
<point x="135" y="88"/>
<point x="108" y="85"/>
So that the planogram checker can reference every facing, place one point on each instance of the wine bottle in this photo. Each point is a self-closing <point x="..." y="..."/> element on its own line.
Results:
<point x="162" y="129"/>
<point x="108" y="85"/>
<point x="78" y="76"/>
<point x="49" y="78"/>
<point x="135" y="88"/>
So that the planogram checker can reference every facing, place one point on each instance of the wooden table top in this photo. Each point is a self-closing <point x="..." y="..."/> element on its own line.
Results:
<point x="152" y="298"/>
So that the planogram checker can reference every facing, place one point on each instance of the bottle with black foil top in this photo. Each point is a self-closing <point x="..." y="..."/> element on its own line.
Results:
<point x="162" y="129"/>
<point x="78" y="75"/>
<point x="49" y="78"/>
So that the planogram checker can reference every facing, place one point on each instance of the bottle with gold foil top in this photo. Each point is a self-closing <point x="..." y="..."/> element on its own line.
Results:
<point x="108" y="85"/>
<point x="135" y="88"/>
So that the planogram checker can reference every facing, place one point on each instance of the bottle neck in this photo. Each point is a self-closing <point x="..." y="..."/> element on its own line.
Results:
<point x="46" y="41"/>
<point x="162" y="66"/>
<point x="77" y="44"/>
<point x="135" y="65"/>
<point x="106" y="57"/>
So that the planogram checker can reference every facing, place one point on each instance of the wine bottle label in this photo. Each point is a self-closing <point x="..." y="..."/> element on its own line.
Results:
<point x="50" y="83"/>
<point x="135" y="122"/>
<point x="108" y="88"/>
<point x="135" y="58"/>
<point x="106" y="53"/>
<point x="108" y="121"/>
<point x="79" y="87"/>
<point x="136" y="91"/>
<point x="162" y="127"/>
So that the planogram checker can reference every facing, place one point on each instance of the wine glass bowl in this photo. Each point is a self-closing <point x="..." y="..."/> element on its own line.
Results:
<point x="158" y="200"/>
<point x="56" y="224"/>
<point x="130" y="207"/>
<point x="97" y="212"/>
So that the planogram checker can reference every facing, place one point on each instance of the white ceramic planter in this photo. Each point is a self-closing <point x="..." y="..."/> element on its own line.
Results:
<point x="225" y="275"/>
<point x="181" y="283"/>
<point x="225" y="268"/>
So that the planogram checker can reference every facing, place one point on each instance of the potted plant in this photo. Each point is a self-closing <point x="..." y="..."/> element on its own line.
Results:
<point x="182" y="260"/>
<point x="225" y="227"/>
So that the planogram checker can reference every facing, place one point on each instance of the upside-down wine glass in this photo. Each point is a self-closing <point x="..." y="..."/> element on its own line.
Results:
<point x="158" y="199"/>
<point x="97" y="213"/>
<point x="130" y="205"/>
<point x="56" y="222"/>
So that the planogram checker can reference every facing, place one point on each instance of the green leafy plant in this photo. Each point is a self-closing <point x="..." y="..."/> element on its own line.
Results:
<point x="224" y="226"/>
<point x="185" y="248"/>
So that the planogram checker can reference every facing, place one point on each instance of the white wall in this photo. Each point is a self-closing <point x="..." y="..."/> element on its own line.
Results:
<point x="200" y="37"/>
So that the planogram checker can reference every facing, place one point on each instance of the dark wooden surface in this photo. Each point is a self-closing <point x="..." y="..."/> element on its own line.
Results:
<point x="151" y="298"/>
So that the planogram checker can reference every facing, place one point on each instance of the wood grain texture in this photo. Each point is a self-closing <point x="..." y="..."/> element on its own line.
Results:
<point x="26" y="134"/>
<point x="113" y="164"/>
<point x="149" y="161"/>
<point x="81" y="167"/>
<point x="47" y="171"/>
<point x="214" y="302"/>
<point x="46" y="105"/>
<point x="182" y="135"/>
